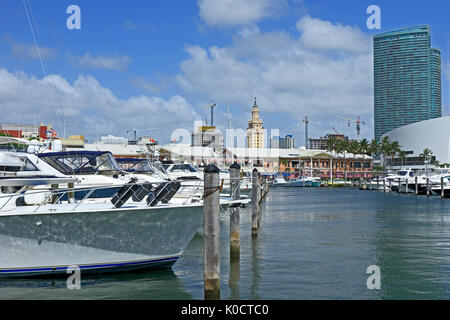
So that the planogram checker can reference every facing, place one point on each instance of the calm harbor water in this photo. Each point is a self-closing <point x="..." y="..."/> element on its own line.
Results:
<point x="313" y="244"/>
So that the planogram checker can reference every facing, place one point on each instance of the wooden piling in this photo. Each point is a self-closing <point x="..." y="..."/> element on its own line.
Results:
<point x="71" y="193"/>
<point x="417" y="185"/>
<point x="259" y="198"/>
<point x="390" y="185"/>
<point x="407" y="186"/>
<point x="384" y="185"/>
<point x="255" y="202"/>
<point x="399" y="185"/>
<point x="55" y="196"/>
<point x="235" y="233"/>
<point x="211" y="231"/>
<point x="428" y="187"/>
<point x="442" y="188"/>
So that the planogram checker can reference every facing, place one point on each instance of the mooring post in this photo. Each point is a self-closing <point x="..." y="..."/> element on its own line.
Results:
<point x="211" y="231"/>
<point x="442" y="188"/>
<point x="71" y="193"/>
<point x="54" y="188"/>
<point x="399" y="185"/>
<point x="384" y="185"/>
<point x="417" y="185"/>
<point x="428" y="187"/>
<point x="390" y="185"/>
<point x="407" y="186"/>
<point x="378" y="184"/>
<point x="255" y="202"/>
<point x="235" y="233"/>
<point x="260" y="197"/>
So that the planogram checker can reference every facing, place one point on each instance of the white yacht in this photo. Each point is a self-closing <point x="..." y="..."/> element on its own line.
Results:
<point x="280" y="181"/>
<point x="44" y="231"/>
<point x="104" y="235"/>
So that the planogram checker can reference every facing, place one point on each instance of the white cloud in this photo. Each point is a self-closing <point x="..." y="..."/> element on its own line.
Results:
<point x="104" y="62"/>
<point x="151" y="87"/>
<point x="29" y="50"/>
<point x="296" y="75"/>
<point x="86" y="107"/>
<point x="237" y="12"/>
<point x="323" y="35"/>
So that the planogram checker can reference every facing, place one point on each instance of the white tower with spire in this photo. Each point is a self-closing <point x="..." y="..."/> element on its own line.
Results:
<point x="255" y="131"/>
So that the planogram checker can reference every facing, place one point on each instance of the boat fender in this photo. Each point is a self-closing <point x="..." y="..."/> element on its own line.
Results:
<point x="157" y="194"/>
<point x="20" y="202"/>
<point x="124" y="193"/>
<point x="151" y="199"/>
<point x="173" y="188"/>
<point x="141" y="192"/>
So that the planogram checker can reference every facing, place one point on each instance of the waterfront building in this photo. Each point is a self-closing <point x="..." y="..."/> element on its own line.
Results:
<point x="407" y="79"/>
<point x="75" y="141"/>
<point x="255" y="131"/>
<point x="110" y="139"/>
<point x="27" y="131"/>
<point x="282" y="143"/>
<point x="431" y="134"/>
<point x="294" y="162"/>
<point x="321" y="143"/>
<point x="325" y="164"/>
<point x="207" y="136"/>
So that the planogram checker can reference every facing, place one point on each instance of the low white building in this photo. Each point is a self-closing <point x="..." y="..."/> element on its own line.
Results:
<point x="433" y="134"/>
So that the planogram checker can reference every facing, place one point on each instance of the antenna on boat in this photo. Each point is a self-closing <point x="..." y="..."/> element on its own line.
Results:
<point x="35" y="35"/>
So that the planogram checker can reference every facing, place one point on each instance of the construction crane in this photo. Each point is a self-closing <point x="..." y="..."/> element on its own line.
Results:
<point x="212" y="106"/>
<point x="337" y="132"/>
<point x="307" y="122"/>
<point x="358" y="124"/>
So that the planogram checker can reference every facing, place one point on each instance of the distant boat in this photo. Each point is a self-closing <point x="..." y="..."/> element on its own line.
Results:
<point x="300" y="182"/>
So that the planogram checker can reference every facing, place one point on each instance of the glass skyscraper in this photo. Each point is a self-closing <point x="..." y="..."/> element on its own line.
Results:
<point x="407" y="75"/>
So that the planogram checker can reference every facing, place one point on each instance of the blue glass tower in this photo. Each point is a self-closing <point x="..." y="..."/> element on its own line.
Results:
<point x="407" y="79"/>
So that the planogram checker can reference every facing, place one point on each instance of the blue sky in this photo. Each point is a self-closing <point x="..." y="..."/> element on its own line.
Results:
<point x="141" y="64"/>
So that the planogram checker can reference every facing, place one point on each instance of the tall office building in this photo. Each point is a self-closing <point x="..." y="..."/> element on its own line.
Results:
<point x="407" y="79"/>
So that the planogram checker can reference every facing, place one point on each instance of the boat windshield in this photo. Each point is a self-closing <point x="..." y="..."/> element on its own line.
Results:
<point x="81" y="162"/>
<point x="182" y="168"/>
<point x="10" y="163"/>
<point x="136" y="165"/>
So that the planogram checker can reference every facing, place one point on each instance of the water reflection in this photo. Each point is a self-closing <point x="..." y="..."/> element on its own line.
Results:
<point x="233" y="281"/>
<point x="412" y="247"/>
<point x="255" y="270"/>
<point x="150" y="285"/>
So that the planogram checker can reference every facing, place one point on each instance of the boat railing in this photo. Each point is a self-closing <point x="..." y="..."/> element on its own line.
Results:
<point x="55" y="196"/>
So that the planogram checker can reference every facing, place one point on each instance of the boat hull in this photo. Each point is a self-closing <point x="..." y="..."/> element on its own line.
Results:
<point x="131" y="238"/>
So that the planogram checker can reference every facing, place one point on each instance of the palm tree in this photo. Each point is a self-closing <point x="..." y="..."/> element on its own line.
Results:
<point x="365" y="149"/>
<point x="385" y="148"/>
<point x="402" y="155"/>
<point x="354" y="147"/>
<point x="393" y="150"/>
<point x="331" y="147"/>
<point x="374" y="147"/>
<point x="342" y="147"/>
<point x="426" y="153"/>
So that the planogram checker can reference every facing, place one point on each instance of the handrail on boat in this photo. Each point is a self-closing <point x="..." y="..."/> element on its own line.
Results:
<point x="60" y="193"/>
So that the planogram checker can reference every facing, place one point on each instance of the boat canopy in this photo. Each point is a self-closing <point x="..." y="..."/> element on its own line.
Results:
<point x="183" y="167"/>
<point x="13" y="163"/>
<point x="135" y="165"/>
<point x="81" y="162"/>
